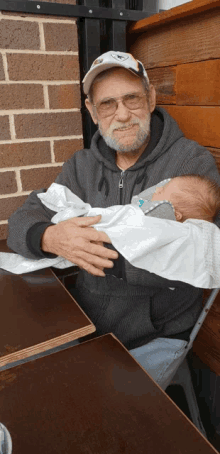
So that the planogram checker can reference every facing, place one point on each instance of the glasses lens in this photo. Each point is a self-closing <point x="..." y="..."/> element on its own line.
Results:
<point x="107" y="107"/>
<point x="134" y="101"/>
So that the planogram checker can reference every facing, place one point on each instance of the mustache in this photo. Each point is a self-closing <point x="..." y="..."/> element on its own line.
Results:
<point x="118" y="125"/>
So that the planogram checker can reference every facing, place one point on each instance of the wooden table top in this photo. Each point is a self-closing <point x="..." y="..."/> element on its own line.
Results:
<point x="37" y="314"/>
<point x="93" y="398"/>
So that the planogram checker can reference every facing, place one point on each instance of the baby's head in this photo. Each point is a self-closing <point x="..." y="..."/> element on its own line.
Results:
<point x="193" y="196"/>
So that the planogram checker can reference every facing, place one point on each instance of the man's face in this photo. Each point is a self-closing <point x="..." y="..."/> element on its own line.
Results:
<point x="125" y="130"/>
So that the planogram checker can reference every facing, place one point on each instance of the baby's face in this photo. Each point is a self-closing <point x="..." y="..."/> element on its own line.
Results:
<point x="166" y="192"/>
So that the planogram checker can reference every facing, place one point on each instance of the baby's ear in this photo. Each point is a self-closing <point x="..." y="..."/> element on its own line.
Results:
<point x="179" y="216"/>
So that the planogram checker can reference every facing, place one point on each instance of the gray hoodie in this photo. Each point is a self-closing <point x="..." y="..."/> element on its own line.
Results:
<point x="137" y="306"/>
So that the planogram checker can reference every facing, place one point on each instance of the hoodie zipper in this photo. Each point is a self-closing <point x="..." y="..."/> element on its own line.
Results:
<point x="121" y="185"/>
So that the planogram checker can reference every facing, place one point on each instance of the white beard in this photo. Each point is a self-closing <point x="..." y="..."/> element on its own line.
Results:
<point x="141" y="136"/>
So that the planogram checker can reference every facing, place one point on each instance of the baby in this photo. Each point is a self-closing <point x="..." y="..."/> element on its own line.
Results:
<point x="190" y="196"/>
<point x="177" y="199"/>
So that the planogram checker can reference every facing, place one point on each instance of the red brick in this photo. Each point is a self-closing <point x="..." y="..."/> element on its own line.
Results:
<point x="2" y="73"/>
<point x="60" y="37"/>
<point x="42" y="67"/>
<point x="21" y="96"/>
<point x="8" y="183"/>
<point x="19" y="35"/>
<point x="9" y="205"/>
<point x="64" y="96"/>
<point x="3" y="231"/>
<point x="39" y="178"/>
<point x="4" y="128"/>
<point x="23" y="154"/>
<point x="64" y="149"/>
<point x="48" y="124"/>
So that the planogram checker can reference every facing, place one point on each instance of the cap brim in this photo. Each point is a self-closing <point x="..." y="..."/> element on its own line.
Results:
<point x="90" y="76"/>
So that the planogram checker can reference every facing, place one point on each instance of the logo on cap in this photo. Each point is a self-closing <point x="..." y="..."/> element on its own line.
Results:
<point x="97" y="61"/>
<point x="120" y="57"/>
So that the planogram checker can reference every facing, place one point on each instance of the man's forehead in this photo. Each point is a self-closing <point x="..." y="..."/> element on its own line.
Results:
<point x="119" y="79"/>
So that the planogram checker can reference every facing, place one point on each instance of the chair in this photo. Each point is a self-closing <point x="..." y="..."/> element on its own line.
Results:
<point x="182" y="376"/>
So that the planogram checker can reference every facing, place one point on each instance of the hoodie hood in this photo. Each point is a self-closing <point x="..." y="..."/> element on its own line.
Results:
<point x="164" y="133"/>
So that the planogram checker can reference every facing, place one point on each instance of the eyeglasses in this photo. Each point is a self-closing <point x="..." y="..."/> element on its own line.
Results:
<point x="108" y="106"/>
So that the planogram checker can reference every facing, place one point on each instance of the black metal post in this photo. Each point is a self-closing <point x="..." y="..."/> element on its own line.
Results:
<point x="89" y="50"/>
<point x="118" y="30"/>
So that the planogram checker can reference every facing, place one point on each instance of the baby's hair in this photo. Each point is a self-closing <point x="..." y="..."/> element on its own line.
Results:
<point x="204" y="202"/>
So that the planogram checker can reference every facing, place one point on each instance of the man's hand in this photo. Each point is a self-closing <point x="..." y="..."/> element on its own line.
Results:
<point x="79" y="243"/>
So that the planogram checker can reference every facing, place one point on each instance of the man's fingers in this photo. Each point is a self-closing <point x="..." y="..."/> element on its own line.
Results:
<point x="87" y="220"/>
<point x="94" y="235"/>
<point x="91" y="220"/>
<point x="99" y="261"/>
<point x="90" y="268"/>
<point x="101" y="251"/>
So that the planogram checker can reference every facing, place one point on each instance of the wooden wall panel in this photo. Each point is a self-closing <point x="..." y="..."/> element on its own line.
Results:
<point x="164" y="80"/>
<point x="201" y="124"/>
<point x="207" y="343"/>
<point x="198" y="83"/>
<point x="182" y="41"/>
<point x="172" y="15"/>
<point x="180" y="49"/>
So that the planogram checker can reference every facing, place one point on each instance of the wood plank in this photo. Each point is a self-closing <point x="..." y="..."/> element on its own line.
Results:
<point x="198" y="83"/>
<point x="93" y="398"/>
<point x="180" y="42"/>
<point x="198" y="123"/>
<point x="216" y="153"/>
<point x="173" y="14"/>
<point x="164" y="80"/>
<point x="37" y="314"/>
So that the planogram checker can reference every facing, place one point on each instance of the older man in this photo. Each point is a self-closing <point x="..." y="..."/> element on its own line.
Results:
<point x="135" y="147"/>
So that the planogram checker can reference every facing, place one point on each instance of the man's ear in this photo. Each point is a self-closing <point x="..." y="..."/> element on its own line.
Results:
<point x="89" y="106"/>
<point x="179" y="216"/>
<point x="152" y="98"/>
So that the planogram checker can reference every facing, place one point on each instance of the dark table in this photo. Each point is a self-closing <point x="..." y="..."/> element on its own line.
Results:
<point x="93" y="398"/>
<point x="37" y="314"/>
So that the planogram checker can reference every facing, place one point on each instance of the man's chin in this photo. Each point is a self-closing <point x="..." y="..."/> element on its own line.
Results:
<point x="120" y="146"/>
<point x="125" y="146"/>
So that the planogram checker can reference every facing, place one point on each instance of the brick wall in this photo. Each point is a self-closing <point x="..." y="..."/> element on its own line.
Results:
<point x="40" y="120"/>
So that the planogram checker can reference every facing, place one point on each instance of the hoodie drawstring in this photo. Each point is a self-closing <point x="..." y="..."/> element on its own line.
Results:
<point x="102" y="181"/>
<point x="140" y="177"/>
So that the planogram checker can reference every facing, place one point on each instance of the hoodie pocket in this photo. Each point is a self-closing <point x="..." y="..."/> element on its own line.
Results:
<point x="93" y="304"/>
<point x="127" y="316"/>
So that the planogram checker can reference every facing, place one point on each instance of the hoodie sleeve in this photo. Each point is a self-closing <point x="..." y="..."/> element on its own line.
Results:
<point x="203" y="163"/>
<point x="28" y="223"/>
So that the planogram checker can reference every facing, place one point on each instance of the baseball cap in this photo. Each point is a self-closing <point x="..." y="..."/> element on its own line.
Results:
<point x="113" y="59"/>
<point x="5" y="440"/>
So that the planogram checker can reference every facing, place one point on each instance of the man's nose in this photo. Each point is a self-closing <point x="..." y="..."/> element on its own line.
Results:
<point x="122" y="113"/>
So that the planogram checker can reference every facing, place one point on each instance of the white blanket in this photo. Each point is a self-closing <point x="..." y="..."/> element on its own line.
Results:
<point x="188" y="252"/>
